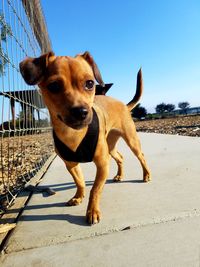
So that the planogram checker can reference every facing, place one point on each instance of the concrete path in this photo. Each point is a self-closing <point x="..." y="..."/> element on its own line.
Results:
<point x="143" y="224"/>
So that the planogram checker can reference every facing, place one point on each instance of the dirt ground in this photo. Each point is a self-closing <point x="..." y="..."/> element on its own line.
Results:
<point x="20" y="158"/>
<point x="181" y="125"/>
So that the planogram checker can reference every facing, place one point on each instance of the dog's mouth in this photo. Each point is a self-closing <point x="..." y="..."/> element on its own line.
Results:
<point x="73" y="123"/>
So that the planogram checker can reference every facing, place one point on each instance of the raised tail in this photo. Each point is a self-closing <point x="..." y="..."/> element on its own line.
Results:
<point x="138" y="93"/>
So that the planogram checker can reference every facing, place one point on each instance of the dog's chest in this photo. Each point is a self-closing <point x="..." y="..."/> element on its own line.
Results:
<point x="86" y="149"/>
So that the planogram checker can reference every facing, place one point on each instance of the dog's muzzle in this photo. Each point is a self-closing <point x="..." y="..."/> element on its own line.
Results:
<point x="79" y="113"/>
<point x="78" y="117"/>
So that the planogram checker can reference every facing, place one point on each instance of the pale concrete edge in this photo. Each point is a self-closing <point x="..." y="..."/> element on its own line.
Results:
<point x="21" y="201"/>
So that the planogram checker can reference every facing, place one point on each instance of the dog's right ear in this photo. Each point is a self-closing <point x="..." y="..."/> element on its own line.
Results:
<point x="95" y="69"/>
<point x="33" y="69"/>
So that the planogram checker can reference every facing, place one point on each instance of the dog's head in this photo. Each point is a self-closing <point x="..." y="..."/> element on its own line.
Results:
<point x="67" y="85"/>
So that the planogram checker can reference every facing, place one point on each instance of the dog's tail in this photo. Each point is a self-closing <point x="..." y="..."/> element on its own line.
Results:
<point x="138" y="93"/>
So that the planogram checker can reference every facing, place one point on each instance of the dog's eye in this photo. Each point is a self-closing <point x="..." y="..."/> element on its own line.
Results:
<point x="89" y="85"/>
<point x="54" y="87"/>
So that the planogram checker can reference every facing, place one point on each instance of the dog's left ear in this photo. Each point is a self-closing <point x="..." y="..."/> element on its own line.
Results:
<point x="95" y="69"/>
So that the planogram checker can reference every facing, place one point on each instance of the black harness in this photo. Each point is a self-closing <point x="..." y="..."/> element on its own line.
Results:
<point x="86" y="149"/>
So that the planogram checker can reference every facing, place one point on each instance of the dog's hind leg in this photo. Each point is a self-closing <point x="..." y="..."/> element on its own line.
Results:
<point x="112" y="140"/>
<point x="119" y="160"/>
<point x="75" y="170"/>
<point x="132" y="140"/>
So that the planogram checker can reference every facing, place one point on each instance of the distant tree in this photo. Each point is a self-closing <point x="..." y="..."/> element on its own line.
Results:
<point x="161" y="108"/>
<point x="184" y="106"/>
<point x="170" y="107"/>
<point x="5" y="31"/>
<point x="139" y="112"/>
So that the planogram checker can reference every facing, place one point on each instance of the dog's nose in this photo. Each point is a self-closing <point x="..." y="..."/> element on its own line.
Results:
<point x="79" y="113"/>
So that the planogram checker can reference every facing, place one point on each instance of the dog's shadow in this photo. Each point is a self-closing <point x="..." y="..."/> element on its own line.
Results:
<point x="71" y="185"/>
<point x="110" y="181"/>
<point x="73" y="219"/>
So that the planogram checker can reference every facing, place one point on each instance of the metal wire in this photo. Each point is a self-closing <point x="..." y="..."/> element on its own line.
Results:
<point x="25" y="132"/>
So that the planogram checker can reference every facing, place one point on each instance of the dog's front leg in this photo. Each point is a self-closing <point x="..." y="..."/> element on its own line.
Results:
<point x="75" y="170"/>
<point x="93" y="214"/>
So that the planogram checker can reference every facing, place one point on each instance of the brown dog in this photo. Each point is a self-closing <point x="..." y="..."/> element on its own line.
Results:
<point x="68" y="88"/>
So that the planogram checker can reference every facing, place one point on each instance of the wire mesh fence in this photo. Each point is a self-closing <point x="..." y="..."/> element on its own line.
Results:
<point x="25" y="132"/>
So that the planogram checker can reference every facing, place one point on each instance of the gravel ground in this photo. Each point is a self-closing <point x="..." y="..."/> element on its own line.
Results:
<point x="181" y="125"/>
<point x="20" y="159"/>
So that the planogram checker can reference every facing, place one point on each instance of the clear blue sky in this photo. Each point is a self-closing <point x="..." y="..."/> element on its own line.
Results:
<point x="162" y="37"/>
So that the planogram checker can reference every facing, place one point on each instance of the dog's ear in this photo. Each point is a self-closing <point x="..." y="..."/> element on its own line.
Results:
<point x="95" y="69"/>
<point x="33" y="69"/>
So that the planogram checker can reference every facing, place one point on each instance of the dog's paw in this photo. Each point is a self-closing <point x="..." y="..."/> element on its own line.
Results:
<point x="147" y="178"/>
<point x="93" y="216"/>
<point x="117" y="178"/>
<point x="74" y="201"/>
